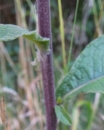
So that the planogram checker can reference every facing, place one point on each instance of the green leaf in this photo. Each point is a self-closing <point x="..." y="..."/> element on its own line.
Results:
<point x="87" y="73"/>
<point x="62" y="115"/>
<point x="10" y="32"/>
<point x="59" y="101"/>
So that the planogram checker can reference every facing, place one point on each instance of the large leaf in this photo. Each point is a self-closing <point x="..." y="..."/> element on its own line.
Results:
<point x="87" y="73"/>
<point x="10" y="32"/>
<point x="62" y="115"/>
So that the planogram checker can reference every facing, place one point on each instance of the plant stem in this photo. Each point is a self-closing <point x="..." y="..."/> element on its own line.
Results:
<point x="44" y="26"/>
<point x="62" y="35"/>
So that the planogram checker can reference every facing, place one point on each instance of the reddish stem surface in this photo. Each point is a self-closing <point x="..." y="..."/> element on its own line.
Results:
<point x="44" y="25"/>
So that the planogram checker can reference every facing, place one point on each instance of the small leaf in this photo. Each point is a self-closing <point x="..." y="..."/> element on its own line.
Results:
<point x="10" y="32"/>
<point x="87" y="73"/>
<point x="62" y="115"/>
<point x="59" y="101"/>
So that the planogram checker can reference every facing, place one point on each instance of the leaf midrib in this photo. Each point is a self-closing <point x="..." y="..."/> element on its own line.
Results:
<point x="77" y="88"/>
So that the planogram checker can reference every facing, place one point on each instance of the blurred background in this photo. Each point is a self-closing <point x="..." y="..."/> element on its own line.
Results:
<point x="21" y="90"/>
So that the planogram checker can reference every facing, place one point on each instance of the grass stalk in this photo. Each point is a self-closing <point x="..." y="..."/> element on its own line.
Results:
<point x="62" y="34"/>
<point x="95" y="107"/>
<point x="98" y="30"/>
<point x="5" y="52"/>
<point x="76" y="114"/>
<point x="23" y="55"/>
<point x="3" y="67"/>
<point x="72" y="37"/>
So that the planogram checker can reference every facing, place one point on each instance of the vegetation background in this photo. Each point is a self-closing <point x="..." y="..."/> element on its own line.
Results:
<point x="21" y="101"/>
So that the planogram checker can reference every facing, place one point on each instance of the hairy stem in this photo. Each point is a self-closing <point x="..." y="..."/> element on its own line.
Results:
<point x="44" y="26"/>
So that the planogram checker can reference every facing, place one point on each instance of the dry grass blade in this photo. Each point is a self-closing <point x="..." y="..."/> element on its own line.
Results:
<point x="2" y="111"/>
<point x="5" y="52"/>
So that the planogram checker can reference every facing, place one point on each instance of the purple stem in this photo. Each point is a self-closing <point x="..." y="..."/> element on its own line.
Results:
<point x="44" y="25"/>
